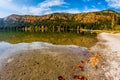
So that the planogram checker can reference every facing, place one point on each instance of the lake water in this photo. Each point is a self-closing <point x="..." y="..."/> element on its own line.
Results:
<point x="42" y="54"/>
<point x="85" y="39"/>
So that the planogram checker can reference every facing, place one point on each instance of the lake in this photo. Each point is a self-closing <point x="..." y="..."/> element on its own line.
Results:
<point x="44" y="55"/>
<point x="85" y="39"/>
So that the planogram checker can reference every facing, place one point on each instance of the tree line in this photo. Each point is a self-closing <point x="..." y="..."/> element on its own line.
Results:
<point x="56" y="25"/>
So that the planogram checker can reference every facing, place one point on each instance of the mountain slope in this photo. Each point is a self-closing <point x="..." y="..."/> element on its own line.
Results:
<point x="103" y="18"/>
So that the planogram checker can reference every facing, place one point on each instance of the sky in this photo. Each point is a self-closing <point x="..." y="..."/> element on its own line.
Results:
<point x="42" y="7"/>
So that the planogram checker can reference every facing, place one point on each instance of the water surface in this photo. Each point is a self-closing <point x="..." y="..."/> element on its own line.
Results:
<point x="85" y="39"/>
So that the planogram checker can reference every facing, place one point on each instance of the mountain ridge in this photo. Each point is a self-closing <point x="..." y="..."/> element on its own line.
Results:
<point x="59" y="16"/>
<point x="102" y="19"/>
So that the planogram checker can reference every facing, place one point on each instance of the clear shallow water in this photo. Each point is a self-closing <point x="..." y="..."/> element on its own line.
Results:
<point x="15" y="42"/>
<point x="7" y="49"/>
<point x="58" y="50"/>
<point x="46" y="54"/>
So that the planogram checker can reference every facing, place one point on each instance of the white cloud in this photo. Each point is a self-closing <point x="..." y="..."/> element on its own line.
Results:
<point x="9" y="5"/>
<point x="9" y="0"/>
<point x="3" y="3"/>
<point x="86" y="9"/>
<point x="73" y="11"/>
<point x="50" y="3"/>
<point x="99" y="3"/>
<point x="86" y="0"/>
<point x="45" y="7"/>
<point x="113" y="3"/>
<point x="41" y="8"/>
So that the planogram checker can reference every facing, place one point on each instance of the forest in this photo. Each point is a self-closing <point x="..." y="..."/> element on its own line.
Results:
<point x="101" y="20"/>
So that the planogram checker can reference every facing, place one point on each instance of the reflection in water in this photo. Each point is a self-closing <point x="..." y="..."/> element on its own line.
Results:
<point x="37" y="60"/>
<point x="70" y="37"/>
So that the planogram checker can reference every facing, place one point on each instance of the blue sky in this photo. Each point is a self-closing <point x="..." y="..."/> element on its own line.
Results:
<point x="41" y="7"/>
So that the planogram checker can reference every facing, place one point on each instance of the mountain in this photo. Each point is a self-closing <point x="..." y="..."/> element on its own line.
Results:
<point x="94" y="20"/>
<point x="1" y="19"/>
<point x="30" y="18"/>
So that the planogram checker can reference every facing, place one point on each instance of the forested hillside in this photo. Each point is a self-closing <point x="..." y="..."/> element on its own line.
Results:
<point x="106" y="19"/>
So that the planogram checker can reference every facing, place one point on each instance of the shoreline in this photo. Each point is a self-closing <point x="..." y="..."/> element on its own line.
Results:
<point x="108" y="47"/>
<point x="101" y="62"/>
